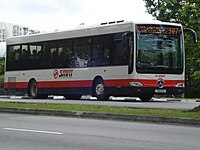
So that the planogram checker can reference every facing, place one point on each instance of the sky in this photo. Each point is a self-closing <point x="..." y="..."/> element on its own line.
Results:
<point x="51" y="15"/>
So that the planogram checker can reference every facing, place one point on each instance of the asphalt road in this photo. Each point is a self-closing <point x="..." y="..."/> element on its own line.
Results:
<point x="156" y="103"/>
<point x="26" y="132"/>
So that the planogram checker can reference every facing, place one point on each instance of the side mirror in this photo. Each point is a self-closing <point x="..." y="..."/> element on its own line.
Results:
<point x="194" y="34"/>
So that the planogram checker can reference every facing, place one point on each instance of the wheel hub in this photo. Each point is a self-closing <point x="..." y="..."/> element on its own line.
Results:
<point x="99" y="89"/>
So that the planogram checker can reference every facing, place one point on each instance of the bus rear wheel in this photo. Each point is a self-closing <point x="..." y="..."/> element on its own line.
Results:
<point x="99" y="90"/>
<point x="33" y="91"/>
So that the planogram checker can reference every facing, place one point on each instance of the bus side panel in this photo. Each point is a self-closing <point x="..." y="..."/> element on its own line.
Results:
<point x="79" y="81"/>
<point x="65" y="81"/>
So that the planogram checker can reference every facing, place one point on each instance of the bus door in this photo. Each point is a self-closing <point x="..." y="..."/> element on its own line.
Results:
<point x="127" y="42"/>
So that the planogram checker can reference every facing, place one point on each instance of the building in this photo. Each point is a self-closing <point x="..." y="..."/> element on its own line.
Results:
<point x="2" y="32"/>
<point x="9" y="30"/>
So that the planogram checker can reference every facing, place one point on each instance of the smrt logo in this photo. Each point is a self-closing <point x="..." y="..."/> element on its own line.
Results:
<point x="55" y="74"/>
<point x="62" y="73"/>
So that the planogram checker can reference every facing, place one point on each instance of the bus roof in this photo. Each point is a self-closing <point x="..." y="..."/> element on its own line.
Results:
<point x="82" y="31"/>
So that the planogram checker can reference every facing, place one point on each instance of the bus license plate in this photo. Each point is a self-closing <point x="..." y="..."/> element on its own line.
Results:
<point x="160" y="91"/>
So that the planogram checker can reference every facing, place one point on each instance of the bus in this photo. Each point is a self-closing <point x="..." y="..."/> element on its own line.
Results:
<point x="119" y="58"/>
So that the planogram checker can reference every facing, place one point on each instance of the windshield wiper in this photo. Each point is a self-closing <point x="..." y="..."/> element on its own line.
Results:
<point x="147" y="65"/>
<point x="161" y="66"/>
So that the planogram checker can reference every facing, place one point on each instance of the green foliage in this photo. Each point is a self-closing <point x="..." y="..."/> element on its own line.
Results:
<point x="2" y="67"/>
<point x="188" y="13"/>
<point x="2" y="64"/>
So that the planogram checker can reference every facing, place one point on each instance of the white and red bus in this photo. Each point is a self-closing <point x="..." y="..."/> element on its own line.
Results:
<point x="112" y="59"/>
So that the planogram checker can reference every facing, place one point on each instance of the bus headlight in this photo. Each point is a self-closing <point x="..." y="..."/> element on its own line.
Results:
<point x="136" y="84"/>
<point x="181" y="85"/>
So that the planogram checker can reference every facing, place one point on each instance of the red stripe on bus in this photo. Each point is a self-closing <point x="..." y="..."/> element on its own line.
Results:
<point x="50" y="84"/>
<point x="88" y="83"/>
<point x="16" y="85"/>
<point x="63" y="84"/>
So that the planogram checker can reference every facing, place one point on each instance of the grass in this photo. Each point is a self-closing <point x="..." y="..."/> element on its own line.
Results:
<point x="103" y="109"/>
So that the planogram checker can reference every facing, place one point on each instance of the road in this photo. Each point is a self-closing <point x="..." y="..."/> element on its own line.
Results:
<point x="158" y="103"/>
<point x="49" y="133"/>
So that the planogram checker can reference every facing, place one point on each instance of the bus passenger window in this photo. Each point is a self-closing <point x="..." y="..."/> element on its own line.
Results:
<point x="106" y="56"/>
<point x="101" y="50"/>
<point x="82" y="52"/>
<point x="118" y="52"/>
<point x="54" y="57"/>
<point x="17" y="54"/>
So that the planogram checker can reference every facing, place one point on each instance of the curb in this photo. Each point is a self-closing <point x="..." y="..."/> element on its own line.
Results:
<point x="106" y="116"/>
<point x="115" y="99"/>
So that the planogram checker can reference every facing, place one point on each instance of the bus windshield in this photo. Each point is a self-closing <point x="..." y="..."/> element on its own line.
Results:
<point x="159" y="49"/>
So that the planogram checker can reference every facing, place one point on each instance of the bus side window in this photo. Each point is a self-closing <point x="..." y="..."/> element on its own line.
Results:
<point x="61" y="57"/>
<point x="64" y="54"/>
<point x="54" y="57"/>
<point x="35" y="55"/>
<point x="11" y="57"/>
<point x="17" y="58"/>
<point x="101" y="50"/>
<point x="119" y="53"/>
<point x="96" y="58"/>
<point x="82" y="52"/>
<point x="106" y="55"/>
<point x="17" y="54"/>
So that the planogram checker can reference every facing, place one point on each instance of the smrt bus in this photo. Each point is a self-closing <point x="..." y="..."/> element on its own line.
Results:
<point x="111" y="59"/>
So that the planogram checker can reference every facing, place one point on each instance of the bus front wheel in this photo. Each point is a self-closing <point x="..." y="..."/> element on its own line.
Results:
<point x="99" y="90"/>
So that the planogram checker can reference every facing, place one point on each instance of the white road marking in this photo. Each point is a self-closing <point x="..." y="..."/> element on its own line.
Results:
<point x="34" y="131"/>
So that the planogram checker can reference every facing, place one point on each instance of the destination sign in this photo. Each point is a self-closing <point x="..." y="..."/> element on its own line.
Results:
<point x="150" y="29"/>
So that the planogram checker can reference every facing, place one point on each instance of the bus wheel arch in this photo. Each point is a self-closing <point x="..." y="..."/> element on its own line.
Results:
<point x="33" y="90"/>
<point x="98" y="89"/>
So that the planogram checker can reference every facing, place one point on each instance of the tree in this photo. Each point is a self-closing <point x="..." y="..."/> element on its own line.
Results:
<point x="1" y="67"/>
<point x="188" y="13"/>
<point x="1" y="71"/>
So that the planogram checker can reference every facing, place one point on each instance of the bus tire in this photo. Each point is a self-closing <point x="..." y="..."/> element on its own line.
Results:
<point x="146" y="97"/>
<point x="99" y="90"/>
<point x="33" y="91"/>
